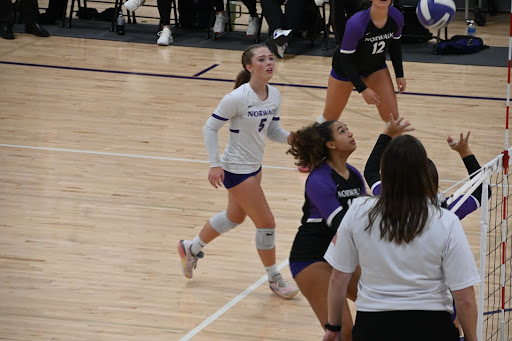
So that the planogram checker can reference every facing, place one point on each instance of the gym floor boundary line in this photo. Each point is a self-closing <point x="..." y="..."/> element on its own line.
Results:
<point x="230" y="304"/>
<point x="148" y="74"/>
<point x="165" y="158"/>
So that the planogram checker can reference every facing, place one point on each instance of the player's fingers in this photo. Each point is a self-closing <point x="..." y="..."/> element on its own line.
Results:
<point x="467" y="137"/>
<point x="406" y="124"/>
<point x="451" y="142"/>
<point x="212" y="182"/>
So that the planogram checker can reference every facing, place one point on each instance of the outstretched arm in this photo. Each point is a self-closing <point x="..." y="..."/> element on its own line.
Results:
<point x="472" y="166"/>
<point x="461" y="146"/>
<point x="393" y="129"/>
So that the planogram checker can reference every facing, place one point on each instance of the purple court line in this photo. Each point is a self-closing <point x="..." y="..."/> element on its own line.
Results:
<point x="497" y="311"/>
<point x="206" y="70"/>
<point x="227" y="80"/>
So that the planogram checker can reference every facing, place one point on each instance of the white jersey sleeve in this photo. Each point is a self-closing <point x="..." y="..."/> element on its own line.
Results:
<point x="342" y="253"/>
<point x="458" y="260"/>
<point x="231" y="105"/>
<point x="211" y="142"/>
<point x="276" y="133"/>
<point x="228" y="107"/>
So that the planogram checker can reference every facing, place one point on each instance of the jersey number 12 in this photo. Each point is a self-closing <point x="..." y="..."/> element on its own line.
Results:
<point x="378" y="47"/>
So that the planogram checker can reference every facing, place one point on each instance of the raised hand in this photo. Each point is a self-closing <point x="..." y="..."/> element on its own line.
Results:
<point x="461" y="146"/>
<point x="397" y="127"/>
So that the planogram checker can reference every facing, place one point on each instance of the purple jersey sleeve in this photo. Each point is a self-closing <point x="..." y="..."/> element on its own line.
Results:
<point x="354" y="31"/>
<point x="322" y="193"/>
<point x="376" y="189"/>
<point x="470" y="205"/>
<point x="398" y="17"/>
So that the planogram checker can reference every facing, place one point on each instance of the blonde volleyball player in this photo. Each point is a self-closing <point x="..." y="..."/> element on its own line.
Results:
<point x="253" y="112"/>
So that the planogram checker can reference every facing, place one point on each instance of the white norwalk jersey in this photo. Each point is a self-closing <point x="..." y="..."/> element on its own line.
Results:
<point x="251" y="120"/>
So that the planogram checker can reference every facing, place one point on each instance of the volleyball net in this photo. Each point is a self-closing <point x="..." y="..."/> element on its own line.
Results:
<point x="495" y="289"/>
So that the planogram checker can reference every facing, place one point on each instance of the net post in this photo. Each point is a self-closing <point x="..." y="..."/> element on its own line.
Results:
<point x="504" y="234"/>
<point x="484" y="227"/>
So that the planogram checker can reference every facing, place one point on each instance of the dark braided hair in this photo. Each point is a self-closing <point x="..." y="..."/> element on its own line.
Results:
<point x="308" y="145"/>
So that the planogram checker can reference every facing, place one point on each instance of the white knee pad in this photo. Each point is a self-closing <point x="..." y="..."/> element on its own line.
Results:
<point x="221" y="223"/>
<point x="265" y="239"/>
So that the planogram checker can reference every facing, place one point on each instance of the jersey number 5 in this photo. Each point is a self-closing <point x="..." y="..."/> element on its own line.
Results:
<point x="262" y="124"/>
<point x="378" y="47"/>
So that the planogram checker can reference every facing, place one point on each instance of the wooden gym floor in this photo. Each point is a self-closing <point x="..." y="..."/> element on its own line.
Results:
<point x="103" y="171"/>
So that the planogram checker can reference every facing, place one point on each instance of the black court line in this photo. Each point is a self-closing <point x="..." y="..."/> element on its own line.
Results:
<point x="206" y="70"/>
<point x="147" y="74"/>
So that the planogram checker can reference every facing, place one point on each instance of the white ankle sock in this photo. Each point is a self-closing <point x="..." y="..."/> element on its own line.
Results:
<point x="271" y="271"/>
<point x="197" y="245"/>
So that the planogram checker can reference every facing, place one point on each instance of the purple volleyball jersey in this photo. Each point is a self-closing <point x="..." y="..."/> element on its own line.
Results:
<point x="328" y="197"/>
<point x="367" y="43"/>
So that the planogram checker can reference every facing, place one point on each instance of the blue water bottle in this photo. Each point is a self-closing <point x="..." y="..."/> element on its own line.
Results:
<point x="471" y="28"/>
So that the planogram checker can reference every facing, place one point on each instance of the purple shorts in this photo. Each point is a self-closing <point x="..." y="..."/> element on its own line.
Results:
<point x="232" y="179"/>
<point x="346" y="79"/>
<point x="296" y="267"/>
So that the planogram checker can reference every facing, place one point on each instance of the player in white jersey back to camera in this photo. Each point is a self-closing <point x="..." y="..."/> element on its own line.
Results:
<point x="414" y="257"/>
<point x="253" y="112"/>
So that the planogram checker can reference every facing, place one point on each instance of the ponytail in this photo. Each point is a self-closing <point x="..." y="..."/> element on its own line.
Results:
<point x="243" y="77"/>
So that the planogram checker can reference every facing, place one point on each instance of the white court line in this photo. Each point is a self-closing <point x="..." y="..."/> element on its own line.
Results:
<point x="119" y="154"/>
<point x="230" y="304"/>
<point x="139" y="156"/>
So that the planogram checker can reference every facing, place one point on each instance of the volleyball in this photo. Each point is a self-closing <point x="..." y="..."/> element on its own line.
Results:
<point x="435" y="14"/>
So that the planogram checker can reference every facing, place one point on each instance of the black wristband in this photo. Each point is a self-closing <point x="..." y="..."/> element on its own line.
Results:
<point x="332" y="328"/>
